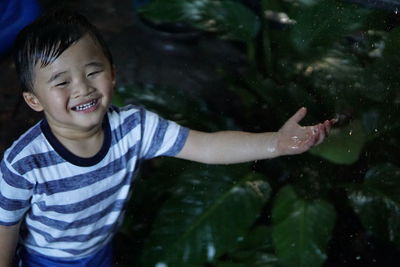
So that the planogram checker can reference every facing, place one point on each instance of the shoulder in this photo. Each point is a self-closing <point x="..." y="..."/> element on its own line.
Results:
<point x="29" y="143"/>
<point x="127" y="116"/>
<point x="130" y="116"/>
<point x="25" y="153"/>
<point x="125" y="121"/>
<point x="117" y="113"/>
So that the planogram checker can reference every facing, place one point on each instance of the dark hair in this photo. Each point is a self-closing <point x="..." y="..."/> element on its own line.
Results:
<point x="47" y="38"/>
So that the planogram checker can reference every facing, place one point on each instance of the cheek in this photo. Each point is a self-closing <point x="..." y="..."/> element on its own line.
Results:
<point x="57" y="100"/>
<point x="107" y="87"/>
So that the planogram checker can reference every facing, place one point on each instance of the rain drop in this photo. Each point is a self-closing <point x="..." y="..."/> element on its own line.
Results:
<point x="210" y="252"/>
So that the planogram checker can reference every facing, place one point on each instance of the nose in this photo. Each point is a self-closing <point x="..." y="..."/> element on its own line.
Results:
<point x="82" y="87"/>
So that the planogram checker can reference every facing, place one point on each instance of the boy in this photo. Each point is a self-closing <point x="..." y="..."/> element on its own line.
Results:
<point x="64" y="183"/>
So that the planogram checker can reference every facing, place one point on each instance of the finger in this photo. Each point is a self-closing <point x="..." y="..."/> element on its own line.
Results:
<point x="319" y="132"/>
<point x="313" y="136"/>
<point x="333" y="121"/>
<point x="299" y="115"/>
<point x="322" y="134"/>
<point x="327" y="127"/>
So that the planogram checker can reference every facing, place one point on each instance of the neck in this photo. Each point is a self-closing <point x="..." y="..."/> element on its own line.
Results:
<point x="73" y="135"/>
<point x="84" y="144"/>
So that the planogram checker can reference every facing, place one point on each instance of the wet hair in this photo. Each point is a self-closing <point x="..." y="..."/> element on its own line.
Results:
<point x="43" y="41"/>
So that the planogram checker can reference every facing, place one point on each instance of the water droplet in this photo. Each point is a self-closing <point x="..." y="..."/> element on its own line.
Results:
<point x="210" y="252"/>
<point x="358" y="258"/>
<point x="375" y="130"/>
<point x="396" y="11"/>
<point x="350" y="132"/>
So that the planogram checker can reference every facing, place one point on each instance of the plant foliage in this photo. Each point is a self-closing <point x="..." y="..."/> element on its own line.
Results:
<point x="337" y="58"/>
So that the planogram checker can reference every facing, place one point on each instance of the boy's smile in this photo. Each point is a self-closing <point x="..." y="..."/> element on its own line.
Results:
<point x="86" y="107"/>
<point x="75" y="90"/>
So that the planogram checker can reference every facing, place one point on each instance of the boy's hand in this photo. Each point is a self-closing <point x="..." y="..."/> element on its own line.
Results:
<point x="295" y="139"/>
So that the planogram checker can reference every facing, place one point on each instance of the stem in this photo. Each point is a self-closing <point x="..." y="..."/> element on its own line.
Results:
<point x="266" y="41"/>
<point x="251" y="54"/>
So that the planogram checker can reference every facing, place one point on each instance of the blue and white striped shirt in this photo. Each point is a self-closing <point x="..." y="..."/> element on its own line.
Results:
<point x="71" y="206"/>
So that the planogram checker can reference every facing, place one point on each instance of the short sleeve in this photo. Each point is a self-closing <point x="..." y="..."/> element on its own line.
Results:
<point x="15" y="194"/>
<point x="160" y="137"/>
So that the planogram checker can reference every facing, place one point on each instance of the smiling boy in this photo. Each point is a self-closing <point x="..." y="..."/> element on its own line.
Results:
<point x="64" y="183"/>
<point x="74" y="92"/>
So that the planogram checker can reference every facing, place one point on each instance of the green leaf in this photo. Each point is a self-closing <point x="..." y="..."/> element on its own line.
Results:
<point x="210" y="210"/>
<point x="161" y="11"/>
<point x="233" y="20"/>
<point x="344" y="145"/>
<point x="257" y="259"/>
<point x="230" y="264"/>
<point x="301" y="229"/>
<point x="258" y="238"/>
<point x="230" y="19"/>
<point x="380" y="121"/>
<point x="392" y="44"/>
<point x="383" y="71"/>
<point x="320" y="23"/>
<point x="377" y="202"/>
<point x="255" y="250"/>
<point x="186" y="109"/>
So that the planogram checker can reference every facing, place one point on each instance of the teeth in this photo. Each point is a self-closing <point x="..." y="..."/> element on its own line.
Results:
<point x="85" y="106"/>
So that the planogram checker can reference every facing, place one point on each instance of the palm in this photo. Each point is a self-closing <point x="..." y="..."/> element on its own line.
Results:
<point x="296" y="139"/>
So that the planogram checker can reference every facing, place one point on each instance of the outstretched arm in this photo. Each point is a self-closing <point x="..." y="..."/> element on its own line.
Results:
<point x="228" y="147"/>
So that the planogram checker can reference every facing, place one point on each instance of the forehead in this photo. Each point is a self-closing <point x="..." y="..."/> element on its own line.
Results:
<point x="78" y="54"/>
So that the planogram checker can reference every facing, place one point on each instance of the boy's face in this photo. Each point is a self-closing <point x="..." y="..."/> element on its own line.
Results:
<point x="74" y="91"/>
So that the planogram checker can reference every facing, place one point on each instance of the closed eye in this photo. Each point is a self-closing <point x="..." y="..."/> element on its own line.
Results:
<point x="61" y="84"/>
<point x="94" y="73"/>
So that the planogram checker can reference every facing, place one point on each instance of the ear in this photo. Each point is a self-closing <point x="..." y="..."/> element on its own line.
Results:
<point x="32" y="101"/>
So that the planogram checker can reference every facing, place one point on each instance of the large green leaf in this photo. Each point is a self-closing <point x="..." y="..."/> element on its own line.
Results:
<point x="320" y="23"/>
<point x="344" y="145"/>
<point x="254" y="250"/>
<point x="161" y="11"/>
<point x="209" y="212"/>
<point x="230" y="19"/>
<point x="234" y="21"/>
<point x="301" y="229"/>
<point x="186" y="109"/>
<point x="382" y="73"/>
<point x="377" y="202"/>
<point x="392" y="44"/>
<point x="380" y="120"/>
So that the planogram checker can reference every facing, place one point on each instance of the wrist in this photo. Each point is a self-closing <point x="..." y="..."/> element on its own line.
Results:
<point x="271" y="145"/>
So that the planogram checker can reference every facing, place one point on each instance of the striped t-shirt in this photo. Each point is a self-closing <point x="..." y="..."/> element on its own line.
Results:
<point x="71" y="206"/>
